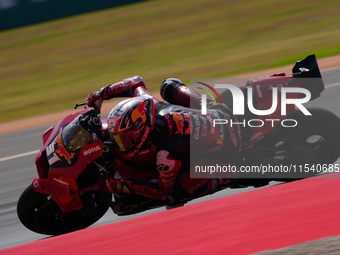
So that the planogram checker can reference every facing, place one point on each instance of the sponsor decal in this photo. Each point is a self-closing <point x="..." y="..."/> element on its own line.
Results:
<point x="139" y="112"/>
<point x="197" y="128"/>
<point x="197" y="186"/>
<point x="51" y="155"/>
<point x="278" y="86"/>
<point x="60" y="181"/>
<point x="165" y="165"/>
<point x="187" y="119"/>
<point x="62" y="152"/>
<point x="55" y="150"/>
<point x="220" y="136"/>
<point x="258" y="90"/>
<point x="91" y="150"/>
<point x="212" y="127"/>
<point x="204" y="127"/>
<point x="179" y="122"/>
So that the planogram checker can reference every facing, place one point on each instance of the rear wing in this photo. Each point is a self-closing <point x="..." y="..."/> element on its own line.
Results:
<point x="308" y="69"/>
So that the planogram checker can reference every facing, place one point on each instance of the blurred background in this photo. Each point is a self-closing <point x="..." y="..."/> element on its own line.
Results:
<point x="53" y="53"/>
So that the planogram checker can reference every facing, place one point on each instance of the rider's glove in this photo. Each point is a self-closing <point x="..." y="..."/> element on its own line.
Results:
<point x="94" y="100"/>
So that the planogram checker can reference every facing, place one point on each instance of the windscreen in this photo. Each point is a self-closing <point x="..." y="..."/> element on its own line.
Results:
<point x="75" y="136"/>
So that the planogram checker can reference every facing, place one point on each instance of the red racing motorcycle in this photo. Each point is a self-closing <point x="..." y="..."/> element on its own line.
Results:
<point x="77" y="154"/>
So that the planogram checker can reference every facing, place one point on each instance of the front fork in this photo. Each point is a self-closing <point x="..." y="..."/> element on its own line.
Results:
<point x="67" y="199"/>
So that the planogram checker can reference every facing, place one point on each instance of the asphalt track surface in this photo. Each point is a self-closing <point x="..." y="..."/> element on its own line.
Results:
<point x="17" y="170"/>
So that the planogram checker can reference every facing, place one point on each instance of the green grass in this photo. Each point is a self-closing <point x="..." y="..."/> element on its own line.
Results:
<point x="50" y="66"/>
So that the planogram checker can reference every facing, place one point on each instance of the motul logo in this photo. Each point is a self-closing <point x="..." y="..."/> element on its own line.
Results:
<point x="89" y="151"/>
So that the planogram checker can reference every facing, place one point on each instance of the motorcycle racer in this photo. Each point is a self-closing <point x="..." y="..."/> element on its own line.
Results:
<point x="141" y="122"/>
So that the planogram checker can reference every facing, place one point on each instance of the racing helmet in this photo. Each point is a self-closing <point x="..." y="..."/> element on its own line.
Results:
<point x="131" y="123"/>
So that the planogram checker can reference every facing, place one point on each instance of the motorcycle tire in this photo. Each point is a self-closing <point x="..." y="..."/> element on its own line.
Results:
<point x="41" y="214"/>
<point x="314" y="142"/>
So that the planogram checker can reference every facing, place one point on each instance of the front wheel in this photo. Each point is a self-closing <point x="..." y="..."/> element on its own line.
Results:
<point x="41" y="214"/>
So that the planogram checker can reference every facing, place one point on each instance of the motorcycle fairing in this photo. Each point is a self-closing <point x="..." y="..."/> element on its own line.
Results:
<point x="59" y="178"/>
<point x="61" y="182"/>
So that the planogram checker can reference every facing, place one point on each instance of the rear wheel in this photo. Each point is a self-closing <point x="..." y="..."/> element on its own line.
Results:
<point x="306" y="150"/>
<point x="41" y="214"/>
<point x="311" y="146"/>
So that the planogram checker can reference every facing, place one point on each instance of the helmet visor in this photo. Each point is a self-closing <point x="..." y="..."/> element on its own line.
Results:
<point x="127" y="139"/>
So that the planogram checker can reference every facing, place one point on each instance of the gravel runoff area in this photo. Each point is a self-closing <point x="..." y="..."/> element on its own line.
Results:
<point x="329" y="246"/>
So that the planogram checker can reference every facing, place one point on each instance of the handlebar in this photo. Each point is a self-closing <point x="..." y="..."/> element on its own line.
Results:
<point x="94" y="108"/>
<point x="76" y="105"/>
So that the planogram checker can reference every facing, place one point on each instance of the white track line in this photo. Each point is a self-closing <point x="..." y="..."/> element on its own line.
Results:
<point x="19" y="155"/>
<point x="332" y="85"/>
<point x="329" y="69"/>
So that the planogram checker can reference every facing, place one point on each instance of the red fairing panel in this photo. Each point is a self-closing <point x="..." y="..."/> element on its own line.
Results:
<point x="263" y="100"/>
